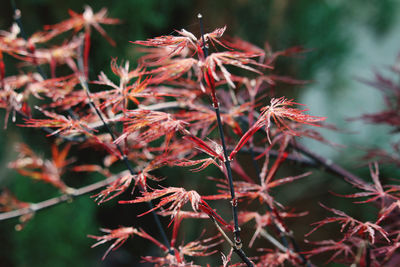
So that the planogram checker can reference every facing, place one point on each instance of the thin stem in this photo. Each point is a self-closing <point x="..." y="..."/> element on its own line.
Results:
<point x="124" y="158"/>
<point x="17" y="18"/>
<point x="368" y="255"/>
<point x="316" y="161"/>
<point x="330" y="166"/>
<point x="238" y="241"/>
<point x="34" y="207"/>
<point x="281" y="247"/>
<point x="238" y="251"/>
<point x="273" y="241"/>
<point x="295" y="159"/>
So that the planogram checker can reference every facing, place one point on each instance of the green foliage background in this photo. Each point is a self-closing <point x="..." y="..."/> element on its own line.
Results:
<point x="57" y="236"/>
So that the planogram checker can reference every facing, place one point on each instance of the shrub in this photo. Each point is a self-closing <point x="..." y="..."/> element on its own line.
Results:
<point x="192" y="102"/>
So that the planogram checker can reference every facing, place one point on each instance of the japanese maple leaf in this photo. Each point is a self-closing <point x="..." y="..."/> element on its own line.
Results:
<point x="351" y="227"/>
<point x="172" y="69"/>
<point x="198" y="248"/>
<point x="340" y="248"/>
<point x="150" y="125"/>
<point x="391" y="96"/>
<point x="280" y="111"/>
<point x="115" y="188"/>
<point x="262" y="221"/>
<point x="375" y="191"/>
<point x="50" y="171"/>
<point x="120" y="235"/>
<point x="57" y="55"/>
<point x="238" y="59"/>
<point x="120" y="95"/>
<point x="251" y="191"/>
<point x="9" y="202"/>
<point x="175" y="198"/>
<point x="85" y="20"/>
<point x="64" y="125"/>
<point x="203" y="118"/>
<point x="174" y="44"/>
<point x="277" y="258"/>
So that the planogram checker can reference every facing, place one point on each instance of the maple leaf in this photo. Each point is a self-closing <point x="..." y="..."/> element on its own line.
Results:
<point x="174" y="45"/>
<point x="388" y="251"/>
<point x="238" y="59"/>
<point x="118" y="97"/>
<point x="339" y="247"/>
<point x="279" y="111"/>
<point x="271" y="56"/>
<point x="151" y="125"/>
<point x="203" y="118"/>
<point x="390" y="89"/>
<point x="351" y="227"/>
<point x="78" y="21"/>
<point x="200" y="248"/>
<point x="64" y="125"/>
<point x="374" y="191"/>
<point x="50" y="171"/>
<point x="204" y="163"/>
<point x="115" y="188"/>
<point x="54" y="88"/>
<point x="173" y="69"/>
<point x="213" y="37"/>
<point x="120" y="235"/>
<point x="9" y="202"/>
<point x="277" y="258"/>
<point x="262" y="221"/>
<point x="215" y="152"/>
<point x="384" y="213"/>
<point x="57" y="55"/>
<point x="176" y="197"/>
<point x="251" y="191"/>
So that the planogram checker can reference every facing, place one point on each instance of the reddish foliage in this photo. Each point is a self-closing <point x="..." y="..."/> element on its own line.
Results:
<point x="159" y="115"/>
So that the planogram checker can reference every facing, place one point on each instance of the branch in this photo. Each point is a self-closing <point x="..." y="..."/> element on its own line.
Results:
<point x="316" y="161"/>
<point x="34" y="207"/>
<point x="211" y="84"/>
<point x="295" y="159"/>
<point x="330" y="166"/>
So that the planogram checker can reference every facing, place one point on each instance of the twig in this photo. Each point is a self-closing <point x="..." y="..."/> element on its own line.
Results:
<point x="283" y="248"/>
<point x="238" y="251"/>
<point x="316" y="161"/>
<point x="34" y="207"/>
<point x="274" y="242"/>
<point x="238" y="241"/>
<point x="330" y="166"/>
<point x="17" y="18"/>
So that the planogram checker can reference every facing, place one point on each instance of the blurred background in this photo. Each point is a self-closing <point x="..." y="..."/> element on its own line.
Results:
<point x="348" y="40"/>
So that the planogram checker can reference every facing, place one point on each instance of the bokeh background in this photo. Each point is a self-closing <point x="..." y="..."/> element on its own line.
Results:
<point x="347" y="40"/>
